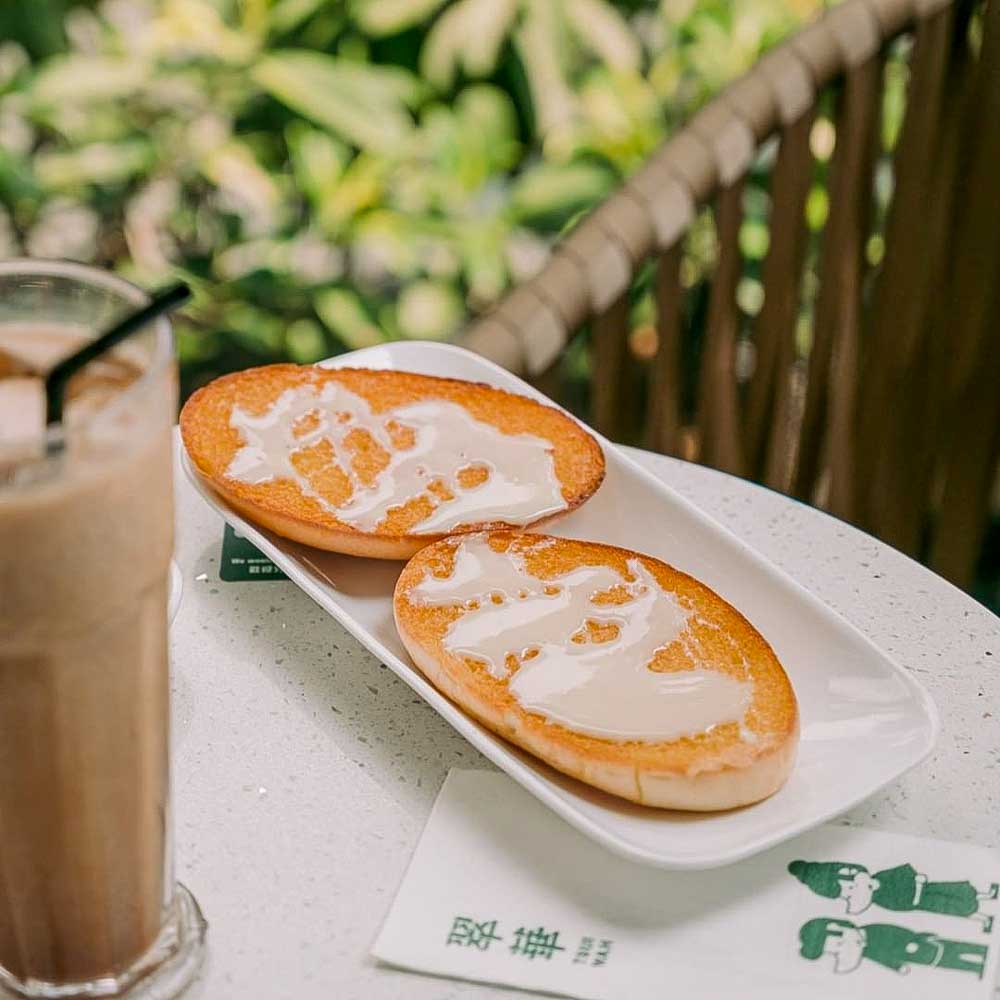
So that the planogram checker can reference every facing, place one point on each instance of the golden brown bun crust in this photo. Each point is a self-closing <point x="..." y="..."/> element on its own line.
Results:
<point x="282" y="507"/>
<point x="719" y="769"/>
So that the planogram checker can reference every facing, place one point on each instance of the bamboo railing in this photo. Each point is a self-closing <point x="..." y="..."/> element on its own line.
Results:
<point x="893" y="419"/>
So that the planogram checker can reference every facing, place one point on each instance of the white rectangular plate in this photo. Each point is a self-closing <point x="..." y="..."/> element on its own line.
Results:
<point x="864" y="719"/>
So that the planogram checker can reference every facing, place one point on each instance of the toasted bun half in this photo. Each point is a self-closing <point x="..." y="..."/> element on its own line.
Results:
<point x="730" y="764"/>
<point x="280" y="504"/>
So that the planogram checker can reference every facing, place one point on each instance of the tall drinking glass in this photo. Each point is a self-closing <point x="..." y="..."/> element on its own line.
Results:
<point x="88" y="902"/>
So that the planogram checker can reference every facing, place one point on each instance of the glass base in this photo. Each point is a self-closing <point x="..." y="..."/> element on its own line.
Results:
<point x="162" y="973"/>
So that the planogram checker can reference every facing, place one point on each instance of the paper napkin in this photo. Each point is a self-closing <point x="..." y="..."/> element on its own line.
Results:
<point x="501" y="890"/>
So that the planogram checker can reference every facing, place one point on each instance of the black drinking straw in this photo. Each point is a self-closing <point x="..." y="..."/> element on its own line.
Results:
<point x="59" y="376"/>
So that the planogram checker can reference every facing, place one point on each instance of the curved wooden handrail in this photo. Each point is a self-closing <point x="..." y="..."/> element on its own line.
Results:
<point x="594" y="264"/>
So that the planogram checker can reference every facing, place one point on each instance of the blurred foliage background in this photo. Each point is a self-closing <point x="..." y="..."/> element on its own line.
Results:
<point x="327" y="174"/>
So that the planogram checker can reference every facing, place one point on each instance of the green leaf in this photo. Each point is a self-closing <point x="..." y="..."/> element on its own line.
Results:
<point x="875" y="249"/>
<point x="388" y="17"/>
<point x="603" y="30"/>
<point x="488" y="119"/>
<point x="484" y="250"/>
<point x="14" y="61"/>
<point x="622" y="117"/>
<point x="429" y="310"/>
<point x="387" y="321"/>
<point x="465" y="145"/>
<point x="255" y="329"/>
<point x="817" y="208"/>
<point x="305" y="342"/>
<point x="98" y="163"/>
<point x="385" y="83"/>
<point x="286" y="15"/>
<point x="318" y="160"/>
<point x="235" y="170"/>
<point x="893" y="102"/>
<point x="198" y="29"/>
<point x="80" y="78"/>
<point x="467" y="36"/>
<point x="18" y="183"/>
<point x="364" y="104"/>
<point x="359" y="188"/>
<point x="387" y="243"/>
<point x="194" y="345"/>
<point x="754" y="239"/>
<point x="240" y="259"/>
<point x="539" y="42"/>
<point x="345" y="315"/>
<point x="750" y="296"/>
<point x="553" y="190"/>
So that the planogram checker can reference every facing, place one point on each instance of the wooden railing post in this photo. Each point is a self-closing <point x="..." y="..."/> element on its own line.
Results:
<point x="718" y="407"/>
<point x="767" y="425"/>
<point x="663" y="413"/>
<point x="970" y="320"/>
<point x="898" y="406"/>
<point x="609" y="333"/>
<point x="833" y="356"/>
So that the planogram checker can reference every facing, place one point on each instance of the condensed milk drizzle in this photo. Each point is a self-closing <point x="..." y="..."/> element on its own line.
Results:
<point x="520" y="485"/>
<point x="523" y="628"/>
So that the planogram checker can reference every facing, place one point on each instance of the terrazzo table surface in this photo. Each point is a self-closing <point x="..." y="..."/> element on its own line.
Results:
<point x="304" y="770"/>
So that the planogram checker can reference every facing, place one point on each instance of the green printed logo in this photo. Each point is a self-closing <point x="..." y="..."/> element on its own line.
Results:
<point x="242" y="560"/>
<point x="894" y="947"/>
<point x="527" y="942"/>
<point x="590" y="953"/>
<point x="465" y="931"/>
<point x="536" y="943"/>
<point x="900" y="889"/>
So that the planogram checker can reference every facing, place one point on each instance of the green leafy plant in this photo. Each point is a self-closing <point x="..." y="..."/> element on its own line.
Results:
<point x="329" y="174"/>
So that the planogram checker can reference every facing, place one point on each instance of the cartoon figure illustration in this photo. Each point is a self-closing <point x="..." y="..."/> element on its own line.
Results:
<point x="894" y="947"/>
<point x="901" y="888"/>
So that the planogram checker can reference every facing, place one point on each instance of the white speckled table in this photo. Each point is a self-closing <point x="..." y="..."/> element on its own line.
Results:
<point x="304" y="770"/>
